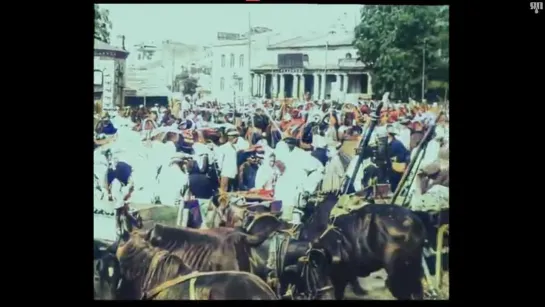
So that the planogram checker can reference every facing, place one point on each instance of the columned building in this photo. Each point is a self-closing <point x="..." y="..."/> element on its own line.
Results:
<point x="324" y="66"/>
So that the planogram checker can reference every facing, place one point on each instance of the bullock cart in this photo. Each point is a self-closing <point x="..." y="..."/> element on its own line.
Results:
<point x="256" y="201"/>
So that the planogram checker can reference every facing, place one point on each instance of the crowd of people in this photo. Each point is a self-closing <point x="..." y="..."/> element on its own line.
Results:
<point x="279" y="149"/>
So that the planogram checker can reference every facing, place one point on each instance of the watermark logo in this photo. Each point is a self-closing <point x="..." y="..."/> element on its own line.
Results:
<point x="536" y="6"/>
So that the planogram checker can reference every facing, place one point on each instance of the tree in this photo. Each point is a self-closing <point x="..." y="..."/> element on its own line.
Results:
<point x="103" y="25"/>
<point x="391" y="41"/>
<point x="189" y="84"/>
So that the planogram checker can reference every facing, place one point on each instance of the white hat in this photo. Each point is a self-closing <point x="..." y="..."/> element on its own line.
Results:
<point x="154" y="109"/>
<point x="141" y="106"/>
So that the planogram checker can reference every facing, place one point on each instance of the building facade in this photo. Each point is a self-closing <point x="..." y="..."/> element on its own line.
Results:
<point x="154" y="66"/>
<point x="231" y="63"/>
<point x="109" y="74"/>
<point x="324" y="66"/>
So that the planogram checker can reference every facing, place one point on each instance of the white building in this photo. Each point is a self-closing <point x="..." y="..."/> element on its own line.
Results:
<point x="109" y="74"/>
<point x="327" y="66"/>
<point x="153" y="67"/>
<point x="230" y="73"/>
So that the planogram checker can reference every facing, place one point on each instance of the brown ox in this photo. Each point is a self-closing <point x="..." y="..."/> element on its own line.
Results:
<point x="219" y="249"/>
<point x="145" y="272"/>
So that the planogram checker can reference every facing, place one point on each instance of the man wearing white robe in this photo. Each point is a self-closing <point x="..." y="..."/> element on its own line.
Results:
<point x="227" y="160"/>
<point x="172" y="183"/>
<point x="302" y="174"/>
<point x="266" y="173"/>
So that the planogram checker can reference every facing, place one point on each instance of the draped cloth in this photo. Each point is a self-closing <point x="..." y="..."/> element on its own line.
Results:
<point x="335" y="171"/>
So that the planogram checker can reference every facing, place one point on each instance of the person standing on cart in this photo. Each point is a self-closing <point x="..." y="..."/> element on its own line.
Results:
<point x="399" y="157"/>
<point x="227" y="160"/>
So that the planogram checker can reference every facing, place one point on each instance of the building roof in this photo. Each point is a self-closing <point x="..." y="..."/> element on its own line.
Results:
<point x="311" y="67"/>
<point x="100" y="45"/>
<point x="344" y="38"/>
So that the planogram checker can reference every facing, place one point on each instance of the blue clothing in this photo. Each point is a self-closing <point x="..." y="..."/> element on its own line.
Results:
<point x="122" y="172"/>
<point x="109" y="129"/>
<point x="248" y="177"/>
<point x="397" y="150"/>
<point x="320" y="154"/>
<point x="201" y="186"/>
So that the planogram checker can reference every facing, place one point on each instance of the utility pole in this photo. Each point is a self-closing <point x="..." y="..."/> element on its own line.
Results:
<point x="423" y="69"/>
<point x="122" y="41"/>
<point x="250" y="83"/>
<point x="173" y="65"/>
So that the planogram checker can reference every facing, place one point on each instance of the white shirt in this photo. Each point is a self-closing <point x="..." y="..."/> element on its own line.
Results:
<point x="201" y="150"/>
<point x="227" y="160"/>
<point x="264" y="176"/>
<point x="171" y="183"/>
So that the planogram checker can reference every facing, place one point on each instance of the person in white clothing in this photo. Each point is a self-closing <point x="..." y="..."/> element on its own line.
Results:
<point x="267" y="173"/>
<point x="302" y="174"/>
<point x="227" y="160"/>
<point x="173" y="182"/>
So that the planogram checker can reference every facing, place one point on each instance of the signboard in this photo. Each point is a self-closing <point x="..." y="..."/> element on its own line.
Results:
<point x="292" y="71"/>
<point x="111" y="54"/>
<point x="226" y="36"/>
<point x="290" y="60"/>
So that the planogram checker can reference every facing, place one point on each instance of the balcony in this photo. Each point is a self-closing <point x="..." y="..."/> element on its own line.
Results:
<point x="350" y="64"/>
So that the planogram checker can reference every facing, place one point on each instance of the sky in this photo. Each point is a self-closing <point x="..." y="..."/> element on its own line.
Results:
<point x="199" y="23"/>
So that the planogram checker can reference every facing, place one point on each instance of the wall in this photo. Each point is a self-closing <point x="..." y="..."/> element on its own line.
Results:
<point x="164" y="65"/>
<point x="226" y="72"/>
<point x="114" y="76"/>
<point x="258" y="58"/>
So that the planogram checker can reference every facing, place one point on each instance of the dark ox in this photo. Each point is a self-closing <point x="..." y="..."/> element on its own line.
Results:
<point x="371" y="238"/>
<point x="142" y="271"/>
<point x="206" y="250"/>
<point x="279" y="256"/>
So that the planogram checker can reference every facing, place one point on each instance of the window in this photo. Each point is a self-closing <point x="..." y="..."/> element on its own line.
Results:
<point x="348" y="56"/>
<point x="232" y="62"/>
<point x="240" y="85"/>
<point x="241" y="60"/>
<point x="139" y="56"/>
<point x="305" y="57"/>
<point x="223" y="60"/>
<point x="222" y="83"/>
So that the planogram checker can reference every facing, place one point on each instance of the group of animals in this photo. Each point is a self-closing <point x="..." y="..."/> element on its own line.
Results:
<point x="266" y="258"/>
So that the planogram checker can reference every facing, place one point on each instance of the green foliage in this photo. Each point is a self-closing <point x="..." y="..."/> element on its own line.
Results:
<point x="103" y="25"/>
<point x="392" y="41"/>
<point x="188" y="84"/>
